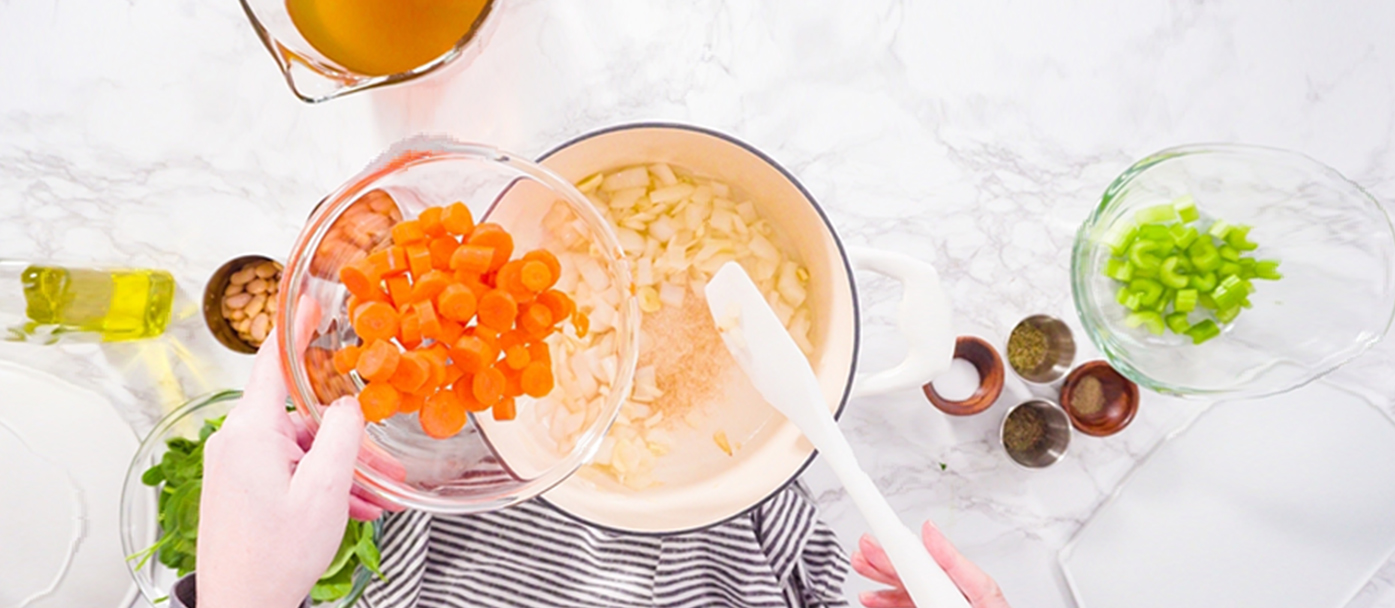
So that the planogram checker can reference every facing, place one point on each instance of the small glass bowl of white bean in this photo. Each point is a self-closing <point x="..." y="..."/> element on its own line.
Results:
<point x="239" y="301"/>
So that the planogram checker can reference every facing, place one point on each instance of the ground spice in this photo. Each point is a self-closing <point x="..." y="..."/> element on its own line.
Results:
<point x="1087" y="399"/>
<point x="1024" y="430"/>
<point x="688" y="356"/>
<point x="1027" y="348"/>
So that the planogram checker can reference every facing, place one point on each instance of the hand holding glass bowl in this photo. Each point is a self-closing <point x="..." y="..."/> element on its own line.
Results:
<point x="1335" y="244"/>
<point x="488" y="465"/>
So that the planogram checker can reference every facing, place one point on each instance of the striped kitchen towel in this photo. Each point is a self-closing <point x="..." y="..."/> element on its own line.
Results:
<point x="778" y="555"/>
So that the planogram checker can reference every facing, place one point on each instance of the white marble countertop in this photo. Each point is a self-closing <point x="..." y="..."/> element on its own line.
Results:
<point x="975" y="135"/>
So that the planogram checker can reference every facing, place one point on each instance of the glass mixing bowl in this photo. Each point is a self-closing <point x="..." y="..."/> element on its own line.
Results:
<point x="1336" y="250"/>
<point x="140" y="527"/>
<point x="490" y="464"/>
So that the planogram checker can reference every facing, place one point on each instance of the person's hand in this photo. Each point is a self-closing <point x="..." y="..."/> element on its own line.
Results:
<point x="871" y="561"/>
<point x="274" y="507"/>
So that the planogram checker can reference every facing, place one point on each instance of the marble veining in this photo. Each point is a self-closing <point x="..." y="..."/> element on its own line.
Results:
<point x="975" y="135"/>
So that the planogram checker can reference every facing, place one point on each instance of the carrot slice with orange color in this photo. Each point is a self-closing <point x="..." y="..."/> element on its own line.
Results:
<point x="513" y="382"/>
<point x="535" y="276"/>
<point x="517" y="356"/>
<point x="408" y="231"/>
<point x="464" y="390"/>
<point x="537" y="379"/>
<point x="442" y="415"/>
<point x="378" y="400"/>
<point x="418" y="259"/>
<point x="488" y="386"/>
<point x="376" y="321"/>
<point x="450" y="330"/>
<point x="497" y="310"/>
<point x="378" y="361"/>
<point x="430" y="219"/>
<point x="430" y="323"/>
<point x="400" y="288"/>
<point x="429" y="285"/>
<point x="409" y="331"/>
<point x="346" y="358"/>
<point x="453" y="373"/>
<point x="412" y="372"/>
<point x="549" y="260"/>
<point x="539" y="351"/>
<point x="557" y="302"/>
<point x="411" y="402"/>
<point x="472" y="258"/>
<point x="510" y="280"/>
<point x="472" y="353"/>
<point x="472" y="281"/>
<point x="457" y="303"/>
<point x="505" y="409"/>
<point x="388" y="262"/>
<point x="442" y="249"/>
<point x="359" y="279"/>
<point x="536" y="319"/>
<point x="493" y="236"/>
<point x="457" y="219"/>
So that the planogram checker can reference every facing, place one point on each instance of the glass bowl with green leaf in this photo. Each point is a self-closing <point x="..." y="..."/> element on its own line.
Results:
<point x="160" y="511"/>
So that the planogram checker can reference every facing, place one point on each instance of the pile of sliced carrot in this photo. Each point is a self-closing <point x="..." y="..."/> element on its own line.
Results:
<point x="449" y="323"/>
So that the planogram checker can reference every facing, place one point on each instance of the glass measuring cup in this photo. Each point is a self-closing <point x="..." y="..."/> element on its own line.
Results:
<point x="330" y="48"/>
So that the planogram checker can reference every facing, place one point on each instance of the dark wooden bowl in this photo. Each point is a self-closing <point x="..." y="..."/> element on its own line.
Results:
<point x="1120" y="400"/>
<point x="989" y="364"/>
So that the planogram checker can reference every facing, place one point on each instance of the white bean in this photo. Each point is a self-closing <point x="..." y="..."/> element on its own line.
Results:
<point x="238" y="301"/>
<point x="232" y="290"/>
<point x="256" y="286"/>
<point x="266" y="270"/>
<point x="243" y="276"/>
<point x="261" y="324"/>
<point x="256" y="305"/>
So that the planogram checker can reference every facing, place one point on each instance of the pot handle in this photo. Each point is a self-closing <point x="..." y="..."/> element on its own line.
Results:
<point x="924" y="318"/>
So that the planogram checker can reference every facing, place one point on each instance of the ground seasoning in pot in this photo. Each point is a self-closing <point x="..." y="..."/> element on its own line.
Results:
<point x="1024" y="430"/>
<point x="1027" y="348"/>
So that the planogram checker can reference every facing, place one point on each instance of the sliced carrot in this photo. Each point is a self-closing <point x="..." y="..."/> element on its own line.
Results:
<point x="345" y="358"/>
<point x="497" y="310"/>
<point x="411" y="402"/>
<point x="489" y="278"/>
<point x="513" y="337"/>
<point x="376" y="321"/>
<point x="464" y="390"/>
<point x="505" y="409"/>
<point x="359" y="279"/>
<point x="457" y="219"/>
<point x="442" y="415"/>
<point x="442" y="249"/>
<point x="388" y="262"/>
<point x="378" y="361"/>
<point x="537" y="379"/>
<point x="493" y="236"/>
<point x="536" y="276"/>
<point x="473" y="354"/>
<point x="412" y="372"/>
<point x="418" y="259"/>
<point x="450" y="330"/>
<point x="378" y="400"/>
<point x="457" y="303"/>
<point x="488" y="386"/>
<point x="582" y="323"/>
<point x="408" y="231"/>
<point x="409" y="331"/>
<point x="536" y="319"/>
<point x="453" y="373"/>
<point x="428" y="286"/>
<point x="430" y="323"/>
<point x="430" y="219"/>
<point x="557" y="302"/>
<point x="517" y="356"/>
<point x="549" y="260"/>
<point x="472" y="258"/>
<point x="400" y="288"/>
<point x="509" y="279"/>
<point x="473" y="282"/>
<point x="437" y="360"/>
<point x="539" y="351"/>
<point x="513" y="382"/>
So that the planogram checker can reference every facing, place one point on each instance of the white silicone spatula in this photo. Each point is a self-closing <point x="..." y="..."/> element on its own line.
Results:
<point x="763" y="348"/>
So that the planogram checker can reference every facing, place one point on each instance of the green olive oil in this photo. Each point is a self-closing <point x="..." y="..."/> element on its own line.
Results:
<point x="115" y="304"/>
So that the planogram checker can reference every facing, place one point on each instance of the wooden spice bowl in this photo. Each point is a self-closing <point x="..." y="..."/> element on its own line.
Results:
<point x="989" y="364"/>
<point x="1117" y="400"/>
<point x="213" y="317"/>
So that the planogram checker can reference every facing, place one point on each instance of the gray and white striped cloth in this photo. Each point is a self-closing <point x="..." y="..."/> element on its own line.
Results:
<point x="776" y="555"/>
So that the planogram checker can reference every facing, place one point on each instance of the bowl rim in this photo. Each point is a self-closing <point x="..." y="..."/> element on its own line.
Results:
<point x="795" y="475"/>
<point x="1083" y="246"/>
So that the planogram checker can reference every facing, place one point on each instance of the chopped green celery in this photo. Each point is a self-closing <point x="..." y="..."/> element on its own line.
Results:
<point x="1186" y="300"/>
<point x="1268" y="270"/>
<point x="1144" y="273"/>
<point x="1186" y="209"/>
<point x="1204" y="282"/>
<point x="1229" y="292"/>
<point x="1119" y="270"/>
<point x="1171" y="275"/>
<point x="1230" y="253"/>
<point x="1203" y="331"/>
<point x="1239" y="238"/>
<point x="1166" y="299"/>
<point x="1219" y="229"/>
<point x="1228" y="269"/>
<point x="1121" y="237"/>
<point x="1143" y="254"/>
<point x="1177" y="322"/>
<point x="1183" y="235"/>
<point x="1150" y="290"/>
<point x="1122" y="296"/>
<point x="1134" y="301"/>
<point x="1204" y="255"/>
<point x="1206" y="301"/>
<point x="1245" y="303"/>
<point x="1158" y="233"/>
<point x="1148" y="319"/>
<point x="1157" y="214"/>
<point x="1226" y="315"/>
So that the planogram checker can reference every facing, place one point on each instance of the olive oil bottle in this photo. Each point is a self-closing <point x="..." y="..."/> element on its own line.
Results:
<point x="107" y="305"/>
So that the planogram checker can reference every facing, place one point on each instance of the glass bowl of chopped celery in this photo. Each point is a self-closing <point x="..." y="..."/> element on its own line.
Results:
<point x="1233" y="270"/>
<point x="160" y="510"/>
